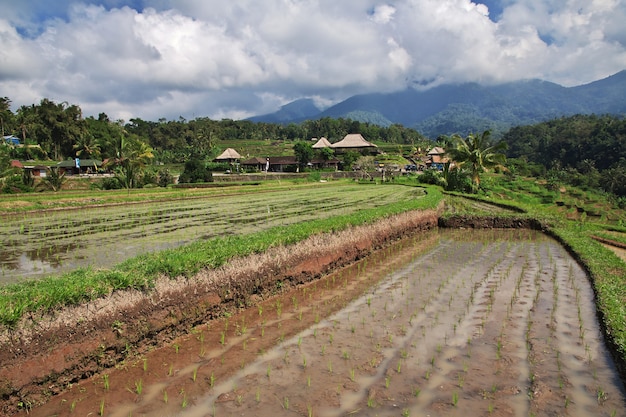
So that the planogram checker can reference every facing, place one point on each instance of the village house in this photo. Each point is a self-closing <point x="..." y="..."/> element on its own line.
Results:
<point x="79" y="166"/>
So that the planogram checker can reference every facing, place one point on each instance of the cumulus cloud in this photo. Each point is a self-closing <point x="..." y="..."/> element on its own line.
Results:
<point x="167" y="58"/>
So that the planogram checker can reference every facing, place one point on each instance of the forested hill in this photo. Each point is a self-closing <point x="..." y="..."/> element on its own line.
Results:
<point x="584" y="150"/>
<point x="470" y="107"/>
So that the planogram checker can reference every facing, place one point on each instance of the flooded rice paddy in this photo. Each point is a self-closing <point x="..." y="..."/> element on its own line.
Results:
<point x="37" y="244"/>
<point x="449" y="323"/>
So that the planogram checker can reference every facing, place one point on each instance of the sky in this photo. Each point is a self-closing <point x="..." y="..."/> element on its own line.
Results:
<point x="154" y="59"/>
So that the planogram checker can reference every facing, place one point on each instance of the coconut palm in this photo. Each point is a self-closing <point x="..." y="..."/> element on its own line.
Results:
<point x="477" y="154"/>
<point x="86" y="146"/>
<point x="131" y="157"/>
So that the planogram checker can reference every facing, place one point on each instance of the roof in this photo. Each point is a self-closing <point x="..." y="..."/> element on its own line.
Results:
<point x="254" y="161"/>
<point x="12" y="140"/>
<point x="229" y="153"/>
<point x="322" y="143"/>
<point x="71" y="163"/>
<point x="353" y="140"/>
<point x="436" y="151"/>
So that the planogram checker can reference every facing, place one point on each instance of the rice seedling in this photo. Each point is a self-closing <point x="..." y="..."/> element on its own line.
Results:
<point x="138" y="387"/>
<point x="101" y="410"/>
<point x="194" y="374"/>
<point x="165" y="397"/>
<point x="455" y="398"/>
<point x="105" y="381"/>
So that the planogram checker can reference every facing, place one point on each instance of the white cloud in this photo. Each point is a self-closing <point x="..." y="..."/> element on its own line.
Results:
<point x="383" y="13"/>
<point x="216" y="58"/>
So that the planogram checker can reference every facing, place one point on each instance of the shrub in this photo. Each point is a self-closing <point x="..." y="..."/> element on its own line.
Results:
<point x="165" y="177"/>
<point x="431" y="176"/>
<point x="195" y="171"/>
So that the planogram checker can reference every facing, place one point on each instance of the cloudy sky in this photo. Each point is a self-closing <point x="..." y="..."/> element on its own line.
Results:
<point x="237" y="58"/>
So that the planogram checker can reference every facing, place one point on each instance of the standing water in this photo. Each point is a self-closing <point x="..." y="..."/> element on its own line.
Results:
<point x="449" y="323"/>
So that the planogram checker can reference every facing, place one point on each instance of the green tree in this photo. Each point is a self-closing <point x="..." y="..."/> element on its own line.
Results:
<point x="87" y="147"/>
<point x="132" y="156"/>
<point x="326" y="154"/>
<point x="304" y="153"/>
<point x="349" y="158"/>
<point x="195" y="171"/>
<point x="6" y="116"/>
<point x="53" y="180"/>
<point x="477" y="154"/>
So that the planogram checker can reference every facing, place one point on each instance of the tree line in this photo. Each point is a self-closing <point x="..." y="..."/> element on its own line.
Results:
<point x="63" y="133"/>
<point x="584" y="150"/>
<point x="587" y="151"/>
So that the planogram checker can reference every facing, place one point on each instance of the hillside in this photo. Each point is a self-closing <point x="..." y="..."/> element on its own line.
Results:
<point x="470" y="107"/>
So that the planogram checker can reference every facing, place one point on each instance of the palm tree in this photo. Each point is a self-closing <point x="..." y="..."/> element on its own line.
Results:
<point x="86" y="146"/>
<point x="54" y="179"/>
<point x="132" y="156"/>
<point x="477" y="154"/>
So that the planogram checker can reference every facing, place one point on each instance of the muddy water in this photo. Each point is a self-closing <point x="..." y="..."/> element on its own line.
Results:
<point x="450" y="323"/>
<point x="34" y="245"/>
<point x="497" y="324"/>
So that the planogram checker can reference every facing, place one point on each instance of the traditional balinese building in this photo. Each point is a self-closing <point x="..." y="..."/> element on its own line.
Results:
<point x="322" y="143"/>
<point x="229" y="155"/>
<point x="436" y="158"/>
<point x="355" y="142"/>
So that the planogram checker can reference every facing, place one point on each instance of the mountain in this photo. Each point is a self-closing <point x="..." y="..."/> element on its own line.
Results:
<point x="470" y="107"/>
<point x="295" y="111"/>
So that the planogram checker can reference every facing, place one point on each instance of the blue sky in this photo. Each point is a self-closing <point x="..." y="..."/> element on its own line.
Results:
<point x="237" y="58"/>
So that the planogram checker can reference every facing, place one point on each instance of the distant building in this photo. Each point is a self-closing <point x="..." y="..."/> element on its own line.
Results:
<point x="436" y="158"/>
<point x="285" y="164"/>
<point x="11" y="140"/>
<point x="79" y="166"/>
<point x="355" y="142"/>
<point x="322" y="143"/>
<point x="229" y="155"/>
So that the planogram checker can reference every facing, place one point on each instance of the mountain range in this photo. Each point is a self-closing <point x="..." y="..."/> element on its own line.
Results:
<point x="468" y="107"/>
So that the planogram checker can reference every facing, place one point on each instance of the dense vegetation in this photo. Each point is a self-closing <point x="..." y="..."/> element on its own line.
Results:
<point x="62" y="133"/>
<point x="585" y="151"/>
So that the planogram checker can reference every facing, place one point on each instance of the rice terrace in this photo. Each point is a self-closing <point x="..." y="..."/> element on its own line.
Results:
<point x="310" y="298"/>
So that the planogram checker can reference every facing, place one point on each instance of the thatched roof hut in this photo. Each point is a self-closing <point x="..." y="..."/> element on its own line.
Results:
<point x="354" y="141"/>
<point x="229" y="155"/>
<point x="322" y="143"/>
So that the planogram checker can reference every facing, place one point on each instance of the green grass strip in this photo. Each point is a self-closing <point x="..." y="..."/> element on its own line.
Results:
<point x="141" y="272"/>
<point x="608" y="276"/>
